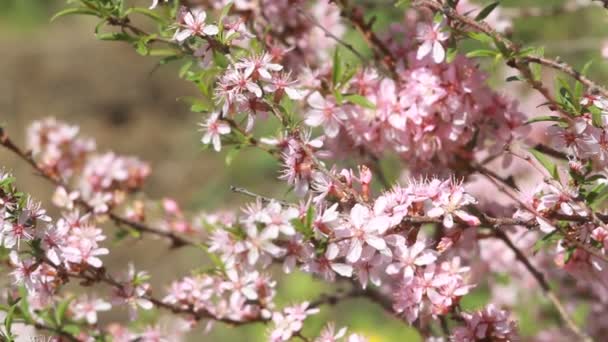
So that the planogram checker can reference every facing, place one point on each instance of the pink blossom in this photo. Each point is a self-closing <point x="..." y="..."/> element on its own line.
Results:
<point x="409" y="258"/>
<point x="87" y="308"/>
<point x="194" y="25"/>
<point x="324" y="113"/>
<point x="214" y="128"/>
<point x="432" y="36"/>
<point x="260" y="244"/>
<point x="363" y="229"/>
<point x="329" y="334"/>
<point x="258" y="66"/>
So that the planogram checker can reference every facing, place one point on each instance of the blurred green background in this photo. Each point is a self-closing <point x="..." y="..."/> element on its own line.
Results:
<point x="130" y="106"/>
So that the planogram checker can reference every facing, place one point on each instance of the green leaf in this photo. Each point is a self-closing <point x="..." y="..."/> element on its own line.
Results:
<point x="74" y="11"/>
<point x="148" y="13"/>
<point x="185" y="68"/>
<point x="360" y="100"/>
<point x="8" y="320"/>
<point x="596" y="117"/>
<point x="578" y="86"/>
<point x="546" y="163"/>
<point x="337" y="70"/>
<point x="480" y="37"/>
<point x="482" y="53"/>
<point x="220" y="60"/>
<point x="61" y="310"/>
<point x="451" y="55"/>
<point x="544" y="118"/>
<point x="231" y="155"/>
<point x="113" y="36"/>
<point x="486" y="11"/>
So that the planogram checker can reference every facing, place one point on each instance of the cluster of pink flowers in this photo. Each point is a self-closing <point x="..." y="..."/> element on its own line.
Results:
<point x="102" y="180"/>
<point x="58" y="147"/>
<point x="582" y="137"/>
<point x="490" y="323"/>
<point x="437" y="287"/>
<point x="71" y="243"/>
<point x="431" y="114"/>
<point x="296" y="36"/>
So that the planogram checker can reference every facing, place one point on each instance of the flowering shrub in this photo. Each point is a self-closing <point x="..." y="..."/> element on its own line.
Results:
<point x="416" y="246"/>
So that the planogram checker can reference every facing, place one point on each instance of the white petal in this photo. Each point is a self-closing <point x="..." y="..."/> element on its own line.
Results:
<point x="211" y="30"/>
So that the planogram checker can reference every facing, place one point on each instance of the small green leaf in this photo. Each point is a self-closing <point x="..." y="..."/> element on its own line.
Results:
<point x="337" y="70"/>
<point x="545" y="162"/>
<point x="484" y="13"/>
<point x="231" y="155"/>
<point x="481" y="37"/>
<point x="220" y="60"/>
<point x="360" y="100"/>
<point x="545" y="118"/>
<point x="74" y="11"/>
<point x="61" y="310"/>
<point x="482" y="53"/>
<point x="148" y="13"/>
<point x="451" y="55"/>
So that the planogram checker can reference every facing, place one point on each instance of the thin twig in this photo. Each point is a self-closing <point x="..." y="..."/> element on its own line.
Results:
<point x="544" y="285"/>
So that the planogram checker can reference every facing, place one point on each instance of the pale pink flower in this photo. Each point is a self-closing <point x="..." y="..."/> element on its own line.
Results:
<point x="326" y="113"/>
<point x="87" y="308"/>
<point x="63" y="199"/>
<point x="329" y="334"/>
<point x="282" y="83"/>
<point x="363" y="229"/>
<point x="86" y="252"/>
<point x="258" y="66"/>
<point x="450" y="204"/>
<point x="432" y="36"/>
<point x="214" y="128"/>
<point x="408" y="259"/>
<point x="259" y="244"/>
<point x="194" y="25"/>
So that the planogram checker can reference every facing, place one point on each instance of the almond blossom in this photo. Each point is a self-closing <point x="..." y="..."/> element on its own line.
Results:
<point x="432" y="36"/>
<point x="214" y="128"/>
<point x="87" y="308"/>
<point x="326" y="113"/>
<point x="194" y="25"/>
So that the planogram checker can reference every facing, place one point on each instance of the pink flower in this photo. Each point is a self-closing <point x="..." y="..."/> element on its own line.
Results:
<point x="277" y="218"/>
<point x="324" y="113"/>
<point x="363" y="229"/>
<point x="87" y="307"/>
<point x="259" y="243"/>
<point x="431" y="37"/>
<point x="450" y="204"/>
<point x="408" y="259"/>
<point x="258" y="66"/>
<point x="329" y="334"/>
<point x="85" y="252"/>
<point x="194" y="25"/>
<point x="63" y="199"/>
<point x="490" y="323"/>
<point x="214" y="128"/>
<point x="282" y="83"/>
